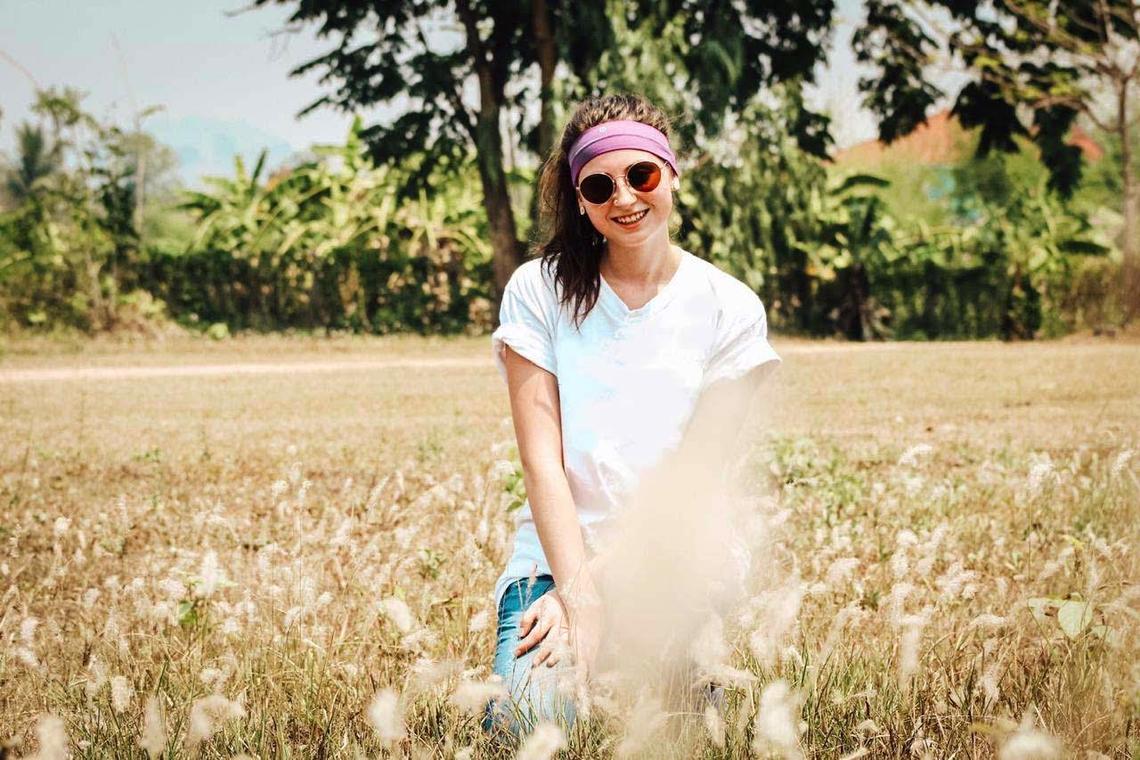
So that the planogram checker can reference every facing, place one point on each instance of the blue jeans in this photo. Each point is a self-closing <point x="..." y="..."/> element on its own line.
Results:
<point x="532" y="693"/>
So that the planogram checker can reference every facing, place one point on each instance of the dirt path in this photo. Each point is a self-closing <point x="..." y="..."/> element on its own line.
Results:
<point x="213" y="370"/>
<point x="44" y="374"/>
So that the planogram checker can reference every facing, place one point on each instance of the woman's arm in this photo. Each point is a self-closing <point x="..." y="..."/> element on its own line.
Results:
<point x="538" y="428"/>
<point x="710" y="437"/>
<point x="708" y="444"/>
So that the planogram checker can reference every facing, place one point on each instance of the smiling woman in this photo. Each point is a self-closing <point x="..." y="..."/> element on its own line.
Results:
<point x="600" y="396"/>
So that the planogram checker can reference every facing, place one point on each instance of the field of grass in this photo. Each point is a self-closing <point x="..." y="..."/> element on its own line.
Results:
<point x="255" y="563"/>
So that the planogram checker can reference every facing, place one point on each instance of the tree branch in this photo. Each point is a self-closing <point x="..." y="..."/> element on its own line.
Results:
<point x="453" y="96"/>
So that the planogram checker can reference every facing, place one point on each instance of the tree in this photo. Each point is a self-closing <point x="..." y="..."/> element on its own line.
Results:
<point x="71" y="240"/>
<point x="1034" y="67"/>
<point x="724" y="53"/>
<point x="36" y="158"/>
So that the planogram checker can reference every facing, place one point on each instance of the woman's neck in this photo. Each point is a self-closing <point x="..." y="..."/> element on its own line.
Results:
<point x="652" y="262"/>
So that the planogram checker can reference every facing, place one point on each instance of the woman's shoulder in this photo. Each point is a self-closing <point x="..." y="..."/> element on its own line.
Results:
<point x="535" y="279"/>
<point x="724" y="289"/>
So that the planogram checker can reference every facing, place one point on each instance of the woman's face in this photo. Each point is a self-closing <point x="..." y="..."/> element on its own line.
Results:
<point x="627" y="202"/>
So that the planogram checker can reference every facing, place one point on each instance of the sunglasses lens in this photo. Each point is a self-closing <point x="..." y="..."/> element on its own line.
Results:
<point x="644" y="176"/>
<point x="597" y="188"/>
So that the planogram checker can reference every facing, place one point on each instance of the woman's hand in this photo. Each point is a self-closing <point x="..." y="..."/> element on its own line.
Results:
<point x="546" y="615"/>
<point x="577" y="633"/>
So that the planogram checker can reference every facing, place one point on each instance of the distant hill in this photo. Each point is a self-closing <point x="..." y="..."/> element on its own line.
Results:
<point x="939" y="141"/>
<point x="208" y="146"/>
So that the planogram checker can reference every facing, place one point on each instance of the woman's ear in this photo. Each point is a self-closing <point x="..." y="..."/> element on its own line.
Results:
<point x="676" y="184"/>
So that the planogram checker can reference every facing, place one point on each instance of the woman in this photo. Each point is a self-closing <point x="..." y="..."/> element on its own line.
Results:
<point x="607" y="343"/>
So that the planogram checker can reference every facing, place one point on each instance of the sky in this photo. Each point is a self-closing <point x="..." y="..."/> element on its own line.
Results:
<point x="220" y="72"/>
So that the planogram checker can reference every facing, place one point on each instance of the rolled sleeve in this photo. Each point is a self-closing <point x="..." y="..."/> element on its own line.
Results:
<point x="742" y="343"/>
<point x="525" y="321"/>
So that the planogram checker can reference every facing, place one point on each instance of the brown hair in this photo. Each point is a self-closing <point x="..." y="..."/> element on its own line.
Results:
<point x="563" y="229"/>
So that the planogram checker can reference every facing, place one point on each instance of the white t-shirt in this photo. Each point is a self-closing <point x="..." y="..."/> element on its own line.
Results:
<point x="628" y="381"/>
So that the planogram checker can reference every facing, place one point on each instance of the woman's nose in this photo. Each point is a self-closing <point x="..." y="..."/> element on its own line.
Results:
<point x="623" y="195"/>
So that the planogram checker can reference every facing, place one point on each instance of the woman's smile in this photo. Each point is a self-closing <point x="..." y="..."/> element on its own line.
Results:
<point x="630" y="220"/>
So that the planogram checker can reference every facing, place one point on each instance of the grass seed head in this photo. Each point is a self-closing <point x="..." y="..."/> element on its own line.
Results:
<point x="386" y="716"/>
<point x="546" y="739"/>
<point x="153" y="736"/>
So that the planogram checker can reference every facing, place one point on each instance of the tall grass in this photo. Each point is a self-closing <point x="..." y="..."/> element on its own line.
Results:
<point x="219" y="597"/>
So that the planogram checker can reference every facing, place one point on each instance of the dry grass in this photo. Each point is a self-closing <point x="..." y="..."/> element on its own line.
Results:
<point x="246" y="546"/>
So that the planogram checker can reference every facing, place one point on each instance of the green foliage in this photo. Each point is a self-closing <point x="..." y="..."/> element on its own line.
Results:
<point x="327" y="244"/>
<point x="36" y="159"/>
<point x="1002" y="49"/>
<point x="976" y="249"/>
<point x="830" y="256"/>
<point x="69" y="241"/>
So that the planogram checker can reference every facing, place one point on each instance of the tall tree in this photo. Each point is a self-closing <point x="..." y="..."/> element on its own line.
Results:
<point x="384" y="51"/>
<point x="1034" y="67"/>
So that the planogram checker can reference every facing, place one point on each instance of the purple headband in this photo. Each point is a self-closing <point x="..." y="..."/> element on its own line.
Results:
<point x="616" y="135"/>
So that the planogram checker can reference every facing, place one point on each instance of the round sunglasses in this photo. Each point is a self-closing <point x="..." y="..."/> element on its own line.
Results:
<point x="599" y="187"/>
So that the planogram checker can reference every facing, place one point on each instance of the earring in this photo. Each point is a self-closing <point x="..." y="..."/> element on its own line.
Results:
<point x="581" y="210"/>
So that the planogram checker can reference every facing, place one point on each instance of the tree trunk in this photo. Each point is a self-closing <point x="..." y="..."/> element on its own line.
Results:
<point x="547" y="54"/>
<point x="507" y="253"/>
<point x="496" y="199"/>
<point x="1131" y="243"/>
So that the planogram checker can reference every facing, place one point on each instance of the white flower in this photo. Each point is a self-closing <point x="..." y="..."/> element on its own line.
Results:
<point x="502" y="469"/>
<point x="426" y="673"/>
<point x="897" y="598"/>
<point x="909" y="655"/>
<point x="1029" y="744"/>
<point x="988" y="620"/>
<point x="385" y="715"/>
<point x="546" y="739"/>
<point x="121" y="694"/>
<point x="899" y="564"/>
<point x="210" y="575"/>
<point x="472" y="696"/>
<point x="911" y="455"/>
<point x="777" y="725"/>
<point x="207" y="716"/>
<point x="291" y="616"/>
<point x="840" y="569"/>
<point x="27" y="656"/>
<point x="1040" y="471"/>
<point x="209" y="676"/>
<point x="778" y="610"/>
<point x="396" y="610"/>
<point x="97" y="677"/>
<point x="52" y="738"/>
<point x="28" y="631"/>
<point x="153" y="736"/>
<point x="951" y="583"/>
<point x="991" y="679"/>
<point x="479" y="621"/>
<point x="173" y="588"/>
<point x="715" y="725"/>
<point x="1121" y="461"/>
